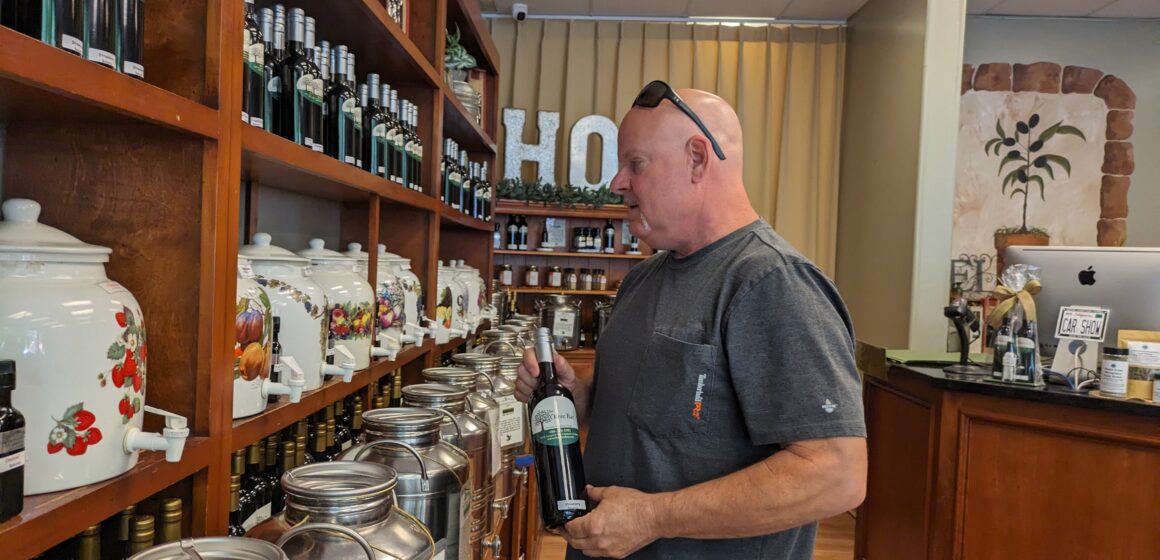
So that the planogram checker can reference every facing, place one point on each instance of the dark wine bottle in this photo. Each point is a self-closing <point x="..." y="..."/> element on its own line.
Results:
<point x="274" y="40"/>
<point x="60" y="23"/>
<point x="342" y="436"/>
<point x="522" y="240"/>
<point x="390" y="171"/>
<point x="253" y="68"/>
<point x="254" y="484"/>
<point x="88" y="544"/>
<point x="356" y="425"/>
<point x="556" y="443"/>
<point x="352" y="110"/>
<point x="296" y="74"/>
<point x="408" y="144"/>
<point x="131" y="37"/>
<point x="486" y="191"/>
<point x="286" y="461"/>
<point x="374" y="125"/>
<point x="169" y="522"/>
<point x="513" y="232"/>
<point x="143" y="534"/>
<point x="317" y="452"/>
<point x="12" y="455"/>
<point x="465" y="186"/>
<point x="235" y="528"/>
<point x="275" y="358"/>
<point x="101" y="32"/>
<point x="1028" y="353"/>
<point x="455" y="177"/>
<point x="609" y="237"/>
<point x="316" y="115"/>
<point x="417" y="148"/>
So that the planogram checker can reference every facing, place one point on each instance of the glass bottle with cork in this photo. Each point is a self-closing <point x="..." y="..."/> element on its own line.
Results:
<point x="12" y="456"/>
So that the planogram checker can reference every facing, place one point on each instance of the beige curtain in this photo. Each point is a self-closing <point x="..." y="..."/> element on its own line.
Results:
<point x="784" y="81"/>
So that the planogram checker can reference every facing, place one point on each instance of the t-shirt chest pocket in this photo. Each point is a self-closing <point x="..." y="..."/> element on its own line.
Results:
<point x="676" y="380"/>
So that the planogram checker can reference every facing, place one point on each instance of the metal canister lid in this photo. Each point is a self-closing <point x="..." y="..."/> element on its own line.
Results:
<point x="457" y="376"/>
<point x="232" y="548"/>
<point x="433" y="394"/>
<point x="338" y="482"/>
<point x="402" y="421"/>
<point x="477" y="360"/>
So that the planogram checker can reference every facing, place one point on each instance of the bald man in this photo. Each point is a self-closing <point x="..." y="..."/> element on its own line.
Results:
<point x="725" y="413"/>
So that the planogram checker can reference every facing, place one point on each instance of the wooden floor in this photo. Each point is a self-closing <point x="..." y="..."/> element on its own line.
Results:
<point x="835" y="541"/>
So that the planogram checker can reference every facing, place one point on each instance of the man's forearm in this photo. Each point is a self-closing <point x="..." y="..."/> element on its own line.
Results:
<point x="792" y="487"/>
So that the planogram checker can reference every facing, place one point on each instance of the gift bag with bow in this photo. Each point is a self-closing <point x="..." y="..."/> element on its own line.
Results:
<point x="1016" y="339"/>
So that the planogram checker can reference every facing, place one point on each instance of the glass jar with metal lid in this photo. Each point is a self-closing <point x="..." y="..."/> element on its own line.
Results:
<point x="433" y="475"/>
<point x="505" y="275"/>
<point x="355" y="495"/>
<point x="468" y="432"/>
<point x="555" y="277"/>
<point x="532" y="276"/>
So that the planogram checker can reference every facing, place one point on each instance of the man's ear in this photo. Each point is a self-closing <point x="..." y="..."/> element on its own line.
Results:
<point x="697" y="154"/>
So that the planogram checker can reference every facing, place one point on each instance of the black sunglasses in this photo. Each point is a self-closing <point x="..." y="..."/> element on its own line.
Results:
<point x="656" y="91"/>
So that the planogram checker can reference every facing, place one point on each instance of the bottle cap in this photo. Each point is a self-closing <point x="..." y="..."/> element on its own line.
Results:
<point x="1114" y="351"/>
<point x="7" y="374"/>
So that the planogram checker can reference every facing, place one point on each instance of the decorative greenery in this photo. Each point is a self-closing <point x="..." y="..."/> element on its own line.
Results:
<point x="549" y="194"/>
<point x="1025" y="151"/>
<point x="456" y="57"/>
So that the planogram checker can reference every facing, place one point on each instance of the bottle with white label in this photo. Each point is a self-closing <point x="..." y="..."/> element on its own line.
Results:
<point x="131" y="36"/>
<point x="101" y="32"/>
<point x="555" y="430"/>
<point x="11" y="446"/>
<point x="1114" y="372"/>
<point x="1002" y="340"/>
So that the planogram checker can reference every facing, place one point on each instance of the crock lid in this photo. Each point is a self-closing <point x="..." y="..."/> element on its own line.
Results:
<point x="354" y="251"/>
<point x="384" y="255"/>
<point x="262" y="250"/>
<point x="319" y="253"/>
<point x="24" y="238"/>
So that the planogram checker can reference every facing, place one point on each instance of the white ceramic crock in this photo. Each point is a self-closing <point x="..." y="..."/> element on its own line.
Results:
<point x="450" y="311"/>
<point x="302" y="306"/>
<point x="388" y="303"/>
<point x="351" y="299"/>
<point x="413" y="319"/>
<point x="79" y="342"/>
<point x="477" y="306"/>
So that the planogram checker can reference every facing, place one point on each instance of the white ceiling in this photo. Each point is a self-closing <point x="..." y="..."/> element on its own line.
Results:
<point x="816" y="9"/>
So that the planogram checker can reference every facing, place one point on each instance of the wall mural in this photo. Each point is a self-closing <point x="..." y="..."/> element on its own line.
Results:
<point x="1043" y="158"/>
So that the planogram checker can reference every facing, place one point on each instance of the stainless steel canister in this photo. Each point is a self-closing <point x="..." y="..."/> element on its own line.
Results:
<point x="561" y="315"/>
<point x="214" y="548"/>
<point x="355" y="495"/>
<point x="470" y="433"/>
<point x="522" y="332"/>
<point x="433" y="475"/>
<point x="497" y="342"/>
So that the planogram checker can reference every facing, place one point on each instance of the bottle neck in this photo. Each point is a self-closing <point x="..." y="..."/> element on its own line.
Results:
<point x="5" y="398"/>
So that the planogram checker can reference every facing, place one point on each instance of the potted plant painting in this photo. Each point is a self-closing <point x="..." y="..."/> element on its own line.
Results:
<point x="1034" y="168"/>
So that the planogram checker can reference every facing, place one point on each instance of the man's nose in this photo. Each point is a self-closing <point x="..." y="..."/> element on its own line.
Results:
<point x="619" y="184"/>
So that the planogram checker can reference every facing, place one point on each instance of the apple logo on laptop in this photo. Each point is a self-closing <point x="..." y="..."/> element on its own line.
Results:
<point x="1087" y="277"/>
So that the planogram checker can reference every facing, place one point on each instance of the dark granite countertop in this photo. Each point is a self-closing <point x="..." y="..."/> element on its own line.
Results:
<point x="1050" y="394"/>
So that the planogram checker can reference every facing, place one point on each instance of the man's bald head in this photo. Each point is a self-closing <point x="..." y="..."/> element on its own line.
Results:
<point x="667" y="124"/>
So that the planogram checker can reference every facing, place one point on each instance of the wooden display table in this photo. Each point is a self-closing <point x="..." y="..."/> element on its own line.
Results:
<point x="974" y="470"/>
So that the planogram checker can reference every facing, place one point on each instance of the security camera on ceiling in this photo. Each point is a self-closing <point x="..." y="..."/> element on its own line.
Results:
<point x="520" y="11"/>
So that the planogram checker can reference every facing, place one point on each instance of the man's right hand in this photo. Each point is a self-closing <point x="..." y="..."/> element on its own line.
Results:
<point x="529" y="374"/>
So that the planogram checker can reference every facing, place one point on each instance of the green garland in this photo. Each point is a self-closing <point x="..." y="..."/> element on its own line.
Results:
<point x="549" y="194"/>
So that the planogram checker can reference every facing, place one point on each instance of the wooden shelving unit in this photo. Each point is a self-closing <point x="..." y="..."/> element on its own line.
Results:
<point x="565" y="255"/>
<point x="610" y="211"/>
<point x="564" y="292"/>
<point x="164" y="172"/>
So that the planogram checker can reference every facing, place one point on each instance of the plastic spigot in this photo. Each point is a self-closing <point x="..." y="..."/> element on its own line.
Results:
<point x="388" y="348"/>
<point x="171" y="440"/>
<point x="345" y="366"/>
<point x="294" y="384"/>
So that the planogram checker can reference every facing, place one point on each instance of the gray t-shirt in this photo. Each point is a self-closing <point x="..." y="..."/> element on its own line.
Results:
<point x="710" y="364"/>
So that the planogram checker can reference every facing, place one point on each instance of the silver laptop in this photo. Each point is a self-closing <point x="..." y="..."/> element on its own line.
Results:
<point x="1125" y="280"/>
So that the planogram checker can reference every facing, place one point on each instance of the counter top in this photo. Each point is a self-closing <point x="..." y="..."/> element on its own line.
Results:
<point x="1050" y="394"/>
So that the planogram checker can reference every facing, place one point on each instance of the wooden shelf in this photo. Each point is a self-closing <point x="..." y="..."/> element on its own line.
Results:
<point x="277" y="162"/>
<point x="449" y="215"/>
<point x="609" y="211"/>
<point x="379" y="42"/>
<point x="47" y="516"/>
<point x="473" y="32"/>
<point x="572" y="255"/>
<point x="564" y="292"/>
<point x="277" y="416"/>
<point x="45" y="84"/>
<point x="459" y="125"/>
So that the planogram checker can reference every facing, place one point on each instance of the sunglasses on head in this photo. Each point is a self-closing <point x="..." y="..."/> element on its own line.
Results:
<point x="657" y="91"/>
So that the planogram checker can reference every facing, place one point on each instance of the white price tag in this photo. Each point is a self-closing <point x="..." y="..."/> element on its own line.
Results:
<point x="563" y="323"/>
<point x="245" y="269"/>
<point x="257" y="517"/>
<point x="511" y="422"/>
<point x="112" y="287"/>
<point x="13" y="461"/>
<point x="567" y="505"/>
<point x="307" y="271"/>
<point x="1084" y="323"/>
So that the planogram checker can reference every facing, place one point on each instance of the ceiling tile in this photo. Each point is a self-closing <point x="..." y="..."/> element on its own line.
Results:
<point x="821" y="9"/>
<point x="981" y="6"/>
<point x="1130" y="9"/>
<point x="737" y="8"/>
<point x="1062" y="8"/>
<point x="659" y="8"/>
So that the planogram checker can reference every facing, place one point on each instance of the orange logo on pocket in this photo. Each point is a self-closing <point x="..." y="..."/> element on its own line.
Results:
<point x="697" y="410"/>
<point x="698" y="396"/>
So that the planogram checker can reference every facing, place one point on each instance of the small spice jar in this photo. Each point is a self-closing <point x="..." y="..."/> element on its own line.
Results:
<point x="532" y="277"/>
<point x="571" y="279"/>
<point x="601" y="280"/>
<point x="1114" y="372"/>
<point x="505" y="274"/>
<point x="555" y="277"/>
<point x="585" y="279"/>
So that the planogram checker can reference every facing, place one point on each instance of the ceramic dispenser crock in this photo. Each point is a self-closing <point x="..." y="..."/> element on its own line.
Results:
<point x="387" y="290"/>
<point x="253" y="341"/>
<point x="352" y="300"/>
<point x="413" y="329"/>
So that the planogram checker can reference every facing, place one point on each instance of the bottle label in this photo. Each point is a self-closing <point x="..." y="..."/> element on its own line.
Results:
<point x="554" y="422"/>
<point x="564" y="323"/>
<point x="307" y="271"/>
<point x="258" y="122"/>
<point x="346" y="445"/>
<point x="262" y="514"/>
<point x="511" y="421"/>
<point x="245" y="270"/>
<point x="70" y="43"/>
<point x="134" y="69"/>
<point x="505" y="278"/>
<point x="11" y="442"/>
<point x="103" y="57"/>
<point x="1114" y="377"/>
<point x="13" y="461"/>
<point x="571" y="505"/>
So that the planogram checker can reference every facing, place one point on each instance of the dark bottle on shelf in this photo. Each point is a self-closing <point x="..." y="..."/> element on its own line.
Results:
<point x="1028" y="352"/>
<point x="88" y="544"/>
<point x="411" y="146"/>
<point x="556" y="443"/>
<point x="274" y="41"/>
<point x="301" y="457"/>
<point x="115" y="541"/>
<point x="400" y="139"/>
<point x="317" y="91"/>
<point x="353" y="111"/>
<point x="254" y="67"/>
<point x="391" y="164"/>
<point x="445" y="173"/>
<point x="374" y="125"/>
<point x="296" y="75"/>
<point x="12" y="455"/>
<point x="332" y="446"/>
<point x="131" y="36"/>
<point x="342" y="437"/>
<point x="255" y="487"/>
<point x="523" y="236"/>
<point x="286" y="461"/>
<point x="235" y="529"/>
<point x="609" y="237"/>
<point x="339" y="129"/>
<point x="101" y="32"/>
<point x="513" y="232"/>
<point x="142" y="536"/>
<point x="271" y="472"/>
<point x="275" y="358"/>
<point x="317" y="452"/>
<point x="466" y="186"/>
<point x="60" y="23"/>
<point x="169" y="527"/>
<point x="478" y="193"/>
<point x="1000" y="345"/>
<point x="459" y="184"/>
<point x="396" y="389"/>
<point x="486" y="196"/>
<point x="356" y="425"/>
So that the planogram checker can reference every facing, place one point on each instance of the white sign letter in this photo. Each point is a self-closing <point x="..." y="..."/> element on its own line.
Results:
<point x="516" y="152"/>
<point x="604" y="128"/>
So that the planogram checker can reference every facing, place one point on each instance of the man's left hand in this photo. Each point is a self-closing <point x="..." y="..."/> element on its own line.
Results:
<point x="623" y="522"/>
